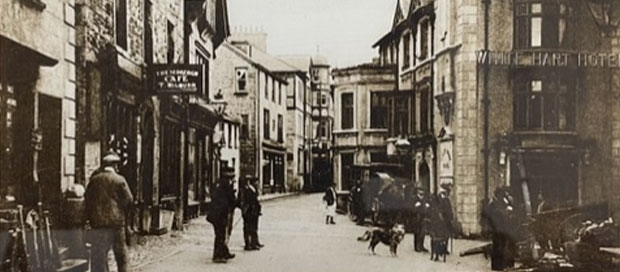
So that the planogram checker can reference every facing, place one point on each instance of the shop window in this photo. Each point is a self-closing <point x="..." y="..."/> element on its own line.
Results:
<point x="379" y="110"/>
<point x="121" y="23"/>
<point x="347" y="111"/>
<point x="241" y="77"/>
<point x="406" y="50"/>
<point x="266" y="126"/>
<point x="346" y="162"/>
<point x="541" y="23"/>
<point x="544" y="102"/>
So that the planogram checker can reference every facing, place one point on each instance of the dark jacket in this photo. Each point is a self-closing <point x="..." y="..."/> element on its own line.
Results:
<point x="441" y="217"/>
<point x="330" y="196"/>
<point x="248" y="202"/>
<point x="222" y="203"/>
<point x="107" y="199"/>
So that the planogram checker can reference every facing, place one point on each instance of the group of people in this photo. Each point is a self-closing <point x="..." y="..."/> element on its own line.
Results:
<point x="108" y="201"/>
<point x="221" y="211"/>
<point x="426" y="214"/>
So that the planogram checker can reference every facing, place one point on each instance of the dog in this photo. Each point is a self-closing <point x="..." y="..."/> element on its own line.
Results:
<point x="390" y="237"/>
<point x="439" y="249"/>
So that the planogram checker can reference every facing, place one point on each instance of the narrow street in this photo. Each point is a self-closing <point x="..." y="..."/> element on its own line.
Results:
<point x="296" y="239"/>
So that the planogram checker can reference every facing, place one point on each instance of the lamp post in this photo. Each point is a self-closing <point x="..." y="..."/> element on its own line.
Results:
<point x="606" y="15"/>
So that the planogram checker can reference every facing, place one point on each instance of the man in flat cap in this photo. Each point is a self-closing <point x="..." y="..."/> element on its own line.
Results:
<point x="107" y="201"/>
<point x="222" y="205"/>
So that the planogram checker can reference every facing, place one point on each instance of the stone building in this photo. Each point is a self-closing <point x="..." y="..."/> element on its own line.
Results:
<point x="361" y="99"/>
<point x="37" y="100"/>
<point x="534" y="101"/>
<point x="257" y="96"/>
<point x="164" y="139"/>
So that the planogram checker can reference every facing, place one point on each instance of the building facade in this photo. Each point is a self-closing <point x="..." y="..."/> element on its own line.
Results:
<point x="526" y="97"/>
<point x="322" y="122"/>
<point x="361" y="95"/>
<point x="257" y="96"/>
<point x="37" y="100"/>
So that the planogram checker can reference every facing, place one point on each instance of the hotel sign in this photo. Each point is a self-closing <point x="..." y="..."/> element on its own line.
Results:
<point x="549" y="59"/>
<point x="176" y="78"/>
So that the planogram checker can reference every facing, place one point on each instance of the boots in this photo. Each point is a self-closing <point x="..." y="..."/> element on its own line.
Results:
<point x="332" y="220"/>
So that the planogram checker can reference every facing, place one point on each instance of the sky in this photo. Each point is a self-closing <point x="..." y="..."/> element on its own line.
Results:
<point x="341" y="30"/>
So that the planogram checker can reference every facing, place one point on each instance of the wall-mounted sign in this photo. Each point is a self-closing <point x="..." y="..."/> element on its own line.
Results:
<point x="176" y="78"/>
<point x="446" y="165"/>
<point x="549" y="59"/>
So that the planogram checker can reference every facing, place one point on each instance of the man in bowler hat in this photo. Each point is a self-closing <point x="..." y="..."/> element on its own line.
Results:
<point x="251" y="211"/>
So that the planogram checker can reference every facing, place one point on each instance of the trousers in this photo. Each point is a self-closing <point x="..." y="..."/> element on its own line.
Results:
<point x="220" y="249"/>
<point x="104" y="239"/>
<point x="250" y="230"/>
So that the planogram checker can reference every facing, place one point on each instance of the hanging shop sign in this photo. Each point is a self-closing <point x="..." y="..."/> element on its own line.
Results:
<point x="549" y="59"/>
<point x="176" y="78"/>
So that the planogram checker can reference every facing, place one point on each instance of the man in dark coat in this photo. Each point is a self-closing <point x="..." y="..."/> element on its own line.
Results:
<point x="501" y="215"/>
<point x="251" y="211"/>
<point x="107" y="201"/>
<point x="421" y="207"/>
<point x="441" y="219"/>
<point x="222" y="204"/>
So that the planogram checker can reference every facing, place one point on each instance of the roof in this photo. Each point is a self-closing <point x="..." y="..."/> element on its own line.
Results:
<point x="301" y="62"/>
<point x="319" y="60"/>
<point x="260" y="59"/>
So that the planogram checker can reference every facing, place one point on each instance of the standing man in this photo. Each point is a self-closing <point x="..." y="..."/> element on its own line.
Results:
<point x="442" y="218"/>
<point x="107" y="201"/>
<point x="222" y="204"/>
<point x="421" y="207"/>
<point x="503" y="224"/>
<point x="250" y="210"/>
<point x="330" y="200"/>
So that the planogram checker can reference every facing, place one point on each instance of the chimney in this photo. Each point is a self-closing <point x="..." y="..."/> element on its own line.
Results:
<point x="244" y="46"/>
<point x="253" y="35"/>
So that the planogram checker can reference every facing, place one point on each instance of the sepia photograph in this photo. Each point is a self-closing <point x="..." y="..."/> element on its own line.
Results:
<point x="317" y="135"/>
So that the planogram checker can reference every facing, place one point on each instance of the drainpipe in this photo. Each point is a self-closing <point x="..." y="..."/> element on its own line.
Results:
<point x="486" y="102"/>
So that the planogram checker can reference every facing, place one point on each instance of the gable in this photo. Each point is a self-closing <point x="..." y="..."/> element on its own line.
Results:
<point x="398" y="14"/>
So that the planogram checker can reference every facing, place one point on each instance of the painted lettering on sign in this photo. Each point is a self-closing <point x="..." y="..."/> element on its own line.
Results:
<point x="549" y="59"/>
<point x="177" y="79"/>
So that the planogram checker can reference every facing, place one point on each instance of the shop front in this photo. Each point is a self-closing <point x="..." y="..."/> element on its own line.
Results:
<point x="273" y="170"/>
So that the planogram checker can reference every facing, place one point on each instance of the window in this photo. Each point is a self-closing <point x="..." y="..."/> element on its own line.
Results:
<point x="121" y="23"/>
<point x="406" y="50"/>
<point x="346" y="161"/>
<point x="347" y="111"/>
<point x="323" y="99"/>
<point x="379" y="110"/>
<point x="230" y="134"/>
<point x="401" y="115"/>
<point x="273" y="89"/>
<point x="315" y="75"/>
<point x="280" y="128"/>
<point x="424" y="32"/>
<point x="236" y="136"/>
<point x="245" y="126"/>
<point x="266" y="86"/>
<point x="201" y="59"/>
<point x="541" y="23"/>
<point x="324" y="129"/>
<point x="266" y="127"/>
<point x="241" y="76"/>
<point x="280" y="93"/>
<point x="170" y="53"/>
<point x="425" y="108"/>
<point x="378" y="157"/>
<point x="544" y="101"/>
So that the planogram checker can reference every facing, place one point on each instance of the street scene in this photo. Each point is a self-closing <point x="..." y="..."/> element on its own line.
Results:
<point x="289" y="135"/>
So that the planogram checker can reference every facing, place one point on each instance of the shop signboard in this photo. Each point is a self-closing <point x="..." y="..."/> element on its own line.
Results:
<point x="540" y="58"/>
<point x="169" y="79"/>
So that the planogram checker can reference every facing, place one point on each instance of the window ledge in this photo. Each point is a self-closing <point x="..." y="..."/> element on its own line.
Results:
<point x="345" y="131"/>
<point x="545" y="132"/>
<point x="376" y="130"/>
<point x="238" y="93"/>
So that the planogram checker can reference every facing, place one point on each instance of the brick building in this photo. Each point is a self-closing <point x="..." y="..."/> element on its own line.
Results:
<point x="257" y="96"/>
<point x="37" y="100"/>
<point x="534" y="102"/>
<point x="361" y="99"/>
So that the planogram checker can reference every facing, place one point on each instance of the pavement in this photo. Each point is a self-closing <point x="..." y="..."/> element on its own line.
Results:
<point x="296" y="238"/>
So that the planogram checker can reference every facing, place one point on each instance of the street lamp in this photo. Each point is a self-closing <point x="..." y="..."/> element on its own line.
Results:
<point x="606" y="14"/>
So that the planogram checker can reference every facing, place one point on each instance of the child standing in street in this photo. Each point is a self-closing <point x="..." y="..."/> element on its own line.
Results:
<point x="330" y="200"/>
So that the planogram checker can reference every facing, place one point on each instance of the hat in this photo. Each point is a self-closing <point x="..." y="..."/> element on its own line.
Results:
<point x="111" y="156"/>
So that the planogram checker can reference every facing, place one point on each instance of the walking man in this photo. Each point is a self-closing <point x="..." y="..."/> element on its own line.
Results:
<point x="222" y="204"/>
<point x="107" y="201"/>
<point x="421" y="207"/>
<point x="330" y="200"/>
<point x="251" y="211"/>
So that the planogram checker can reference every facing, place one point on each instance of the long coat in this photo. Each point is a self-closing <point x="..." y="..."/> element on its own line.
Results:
<point x="441" y="217"/>
<point x="250" y="207"/>
<point x="222" y="203"/>
<point x="107" y="199"/>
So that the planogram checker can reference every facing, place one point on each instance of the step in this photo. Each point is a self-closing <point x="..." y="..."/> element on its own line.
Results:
<point x="73" y="265"/>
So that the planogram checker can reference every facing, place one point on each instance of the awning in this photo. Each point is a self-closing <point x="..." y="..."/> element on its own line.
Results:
<point x="202" y="117"/>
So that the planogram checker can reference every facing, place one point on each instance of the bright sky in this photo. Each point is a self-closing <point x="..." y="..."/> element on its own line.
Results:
<point x="342" y="30"/>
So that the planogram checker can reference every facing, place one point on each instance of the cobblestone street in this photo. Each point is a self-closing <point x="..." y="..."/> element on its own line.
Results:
<point x="296" y="239"/>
